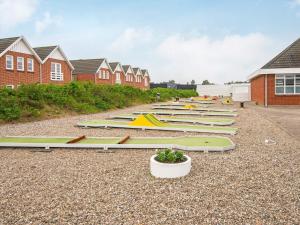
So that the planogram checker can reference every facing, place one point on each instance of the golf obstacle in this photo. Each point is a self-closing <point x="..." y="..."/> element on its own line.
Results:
<point x="202" y="143"/>
<point x="150" y="122"/>
<point x="196" y="101"/>
<point x="227" y="101"/>
<point x="187" y="112"/>
<point x="191" y="108"/>
<point x="193" y="120"/>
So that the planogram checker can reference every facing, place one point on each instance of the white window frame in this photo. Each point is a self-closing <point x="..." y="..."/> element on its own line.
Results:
<point x="22" y="63"/>
<point x="104" y="74"/>
<point x="12" y="62"/>
<point x="283" y="76"/>
<point x="10" y="86"/>
<point x="55" y="75"/>
<point x="32" y="65"/>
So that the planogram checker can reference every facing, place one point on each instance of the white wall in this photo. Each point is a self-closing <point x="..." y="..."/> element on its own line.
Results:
<point x="214" y="90"/>
<point x="239" y="92"/>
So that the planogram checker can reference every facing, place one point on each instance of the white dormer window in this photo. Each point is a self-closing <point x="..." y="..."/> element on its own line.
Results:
<point x="9" y="62"/>
<point x="56" y="73"/>
<point x="104" y="74"/>
<point x="30" y="65"/>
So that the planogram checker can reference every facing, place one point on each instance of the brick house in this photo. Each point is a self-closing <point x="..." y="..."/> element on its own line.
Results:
<point x="146" y="79"/>
<point x="278" y="82"/>
<point x="56" y="68"/>
<point x="19" y="63"/>
<point x="129" y="75"/>
<point x="138" y="77"/>
<point x="97" y="71"/>
<point x="118" y="73"/>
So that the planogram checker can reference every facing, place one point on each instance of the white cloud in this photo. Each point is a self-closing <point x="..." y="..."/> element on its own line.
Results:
<point x="230" y="58"/>
<point x="296" y="2"/>
<point x="14" y="12"/>
<point x="130" y="38"/>
<point x="46" y="21"/>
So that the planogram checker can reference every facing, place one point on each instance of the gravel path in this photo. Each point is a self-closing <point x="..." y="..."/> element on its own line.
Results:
<point x="254" y="184"/>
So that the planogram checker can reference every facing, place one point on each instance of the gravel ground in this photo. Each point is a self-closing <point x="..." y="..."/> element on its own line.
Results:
<point x="254" y="184"/>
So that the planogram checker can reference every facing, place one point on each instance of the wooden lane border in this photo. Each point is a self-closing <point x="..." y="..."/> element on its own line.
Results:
<point x="124" y="139"/>
<point x="75" y="140"/>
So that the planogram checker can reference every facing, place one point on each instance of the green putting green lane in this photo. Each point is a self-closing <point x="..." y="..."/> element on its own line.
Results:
<point x="33" y="140"/>
<point x="100" y="140"/>
<point x="185" y="141"/>
<point x="167" y="125"/>
<point x="188" y="112"/>
<point x="200" y="119"/>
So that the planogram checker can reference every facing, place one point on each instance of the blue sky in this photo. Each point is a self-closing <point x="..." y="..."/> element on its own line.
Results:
<point x="174" y="39"/>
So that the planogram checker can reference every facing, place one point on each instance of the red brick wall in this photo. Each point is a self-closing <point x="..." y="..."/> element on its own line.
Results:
<point x="46" y="70"/>
<point x="148" y="86"/>
<point x="122" y="76"/>
<point x="258" y="89"/>
<point x="139" y="84"/>
<point x="130" y="83"/>
<point x="14" y="77"/>
<point x="104" y="81"/>
<point x="86" y="77"/>
<point x="280" y="99"/>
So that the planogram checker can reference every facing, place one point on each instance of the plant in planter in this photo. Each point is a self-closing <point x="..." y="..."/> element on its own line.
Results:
<point x="170" y="164"/>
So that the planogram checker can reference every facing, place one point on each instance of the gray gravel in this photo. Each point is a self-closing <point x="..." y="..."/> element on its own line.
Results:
<point x="254" y="184"/>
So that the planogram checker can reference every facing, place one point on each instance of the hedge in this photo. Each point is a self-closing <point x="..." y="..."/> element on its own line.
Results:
<point x="41" y="100"/>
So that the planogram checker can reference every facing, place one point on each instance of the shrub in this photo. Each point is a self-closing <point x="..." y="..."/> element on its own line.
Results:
<point x="31" y="101"/>
<point x="169" y="156"/>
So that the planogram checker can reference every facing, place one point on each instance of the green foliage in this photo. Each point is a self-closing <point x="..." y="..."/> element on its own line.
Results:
<point x="36" y="100"/>
<point x="169" y="156"/>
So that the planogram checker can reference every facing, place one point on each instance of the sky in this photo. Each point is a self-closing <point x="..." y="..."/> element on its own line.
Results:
<point x="179" y="40"/>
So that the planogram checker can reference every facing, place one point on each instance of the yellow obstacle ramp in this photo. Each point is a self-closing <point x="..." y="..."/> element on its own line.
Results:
<point x="227" y="101"/>
<point x="190" y="106"/>
<point x="148" y="120"/>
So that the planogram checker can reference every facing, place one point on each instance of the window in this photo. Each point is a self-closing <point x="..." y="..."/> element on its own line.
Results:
<point x="30" y="65"/>
<point x="56" y="73"/>
<point x="10" y="86"/>
<point x="104" y="74"/>
<point x="129" y="78"/>
<point x="20" y="63"/>
<point x="9" y="62"/>
<point x="287" y="84"/>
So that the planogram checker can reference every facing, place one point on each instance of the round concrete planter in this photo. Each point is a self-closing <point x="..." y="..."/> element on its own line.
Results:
<point x="170" y="170"/>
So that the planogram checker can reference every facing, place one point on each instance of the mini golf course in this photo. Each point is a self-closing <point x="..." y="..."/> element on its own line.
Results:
<point x="187" y="112"/>
<point x="150" y="122"/>
<point x="193" y="109"/>
<point x="202" y="143"/>
<point x="194" y="120"/>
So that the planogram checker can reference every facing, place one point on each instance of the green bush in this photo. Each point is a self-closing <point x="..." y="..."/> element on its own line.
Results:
<point x="169" y="156"/>
<point x="36" y="100"/>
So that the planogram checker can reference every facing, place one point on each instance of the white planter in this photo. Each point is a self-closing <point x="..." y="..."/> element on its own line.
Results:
<point x="170" y="170"/>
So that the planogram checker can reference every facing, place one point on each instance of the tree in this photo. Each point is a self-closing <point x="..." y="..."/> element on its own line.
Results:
<point x="236" y="82"/>
<point x="172" y="81"/>
<point x="193" y="82"/>
<point x="206" y="82"/>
